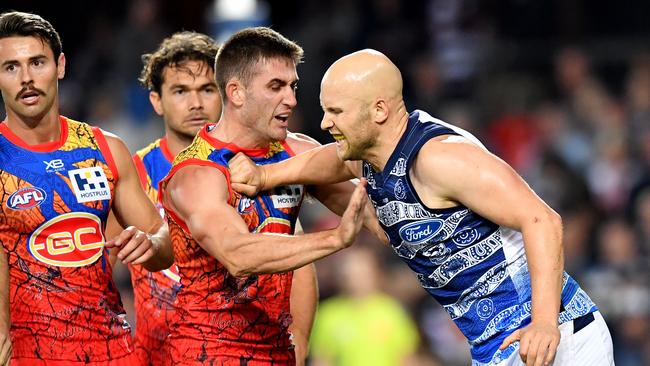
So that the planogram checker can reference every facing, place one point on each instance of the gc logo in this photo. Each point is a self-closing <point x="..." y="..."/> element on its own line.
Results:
<point x="73" y="239"/>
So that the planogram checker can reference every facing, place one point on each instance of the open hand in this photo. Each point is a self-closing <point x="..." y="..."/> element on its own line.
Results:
<point x="352" y="219"/>
<point x="133" y="246"/>
<point x="537" y="343"/>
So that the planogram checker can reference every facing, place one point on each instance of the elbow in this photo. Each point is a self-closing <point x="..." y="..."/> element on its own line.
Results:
<point x="236" y="268"/>
<point x="234" y="261"/>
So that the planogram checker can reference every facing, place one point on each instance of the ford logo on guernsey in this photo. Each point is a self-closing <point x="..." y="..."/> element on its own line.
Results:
<point x="421" y="231"/>
<point x="26" y="198"/>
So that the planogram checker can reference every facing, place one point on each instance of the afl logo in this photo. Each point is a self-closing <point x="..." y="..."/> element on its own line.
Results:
<point x="172" y="272"/>
<point x="245" y="205"/>
<point x="73" y="239"/>
<point x="26" y="198"/>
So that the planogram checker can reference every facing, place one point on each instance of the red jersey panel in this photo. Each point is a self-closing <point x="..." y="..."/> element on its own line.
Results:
<point x="56" y="198"/>
<point x="222" y="319"/>
<point x="154" y="292"/>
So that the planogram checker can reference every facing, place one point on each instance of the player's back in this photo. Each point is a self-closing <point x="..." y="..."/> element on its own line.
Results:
<point x="64" y="304"/>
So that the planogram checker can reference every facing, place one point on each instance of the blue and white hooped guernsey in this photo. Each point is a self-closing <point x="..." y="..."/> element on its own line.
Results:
<point x="474" y="268"/>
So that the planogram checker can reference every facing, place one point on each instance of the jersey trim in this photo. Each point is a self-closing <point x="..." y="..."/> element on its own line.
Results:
<point x="142" y="171"/>
<point x="106" y="151"/>
<point x="46" y="147"/>
<point x="165" y="150"/>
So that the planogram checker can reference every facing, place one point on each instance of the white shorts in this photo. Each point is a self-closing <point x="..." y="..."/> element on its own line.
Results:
<point x="589" y="346"/>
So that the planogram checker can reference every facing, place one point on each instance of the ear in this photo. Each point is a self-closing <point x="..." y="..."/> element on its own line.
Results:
<point x="235" y="92"/>
<point x="156" y="103"/>
<point x="60" y="68"/>
<point x="380" y="111"/>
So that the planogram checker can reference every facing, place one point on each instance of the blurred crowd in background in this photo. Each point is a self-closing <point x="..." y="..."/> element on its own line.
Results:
<point x="558" y="89"/>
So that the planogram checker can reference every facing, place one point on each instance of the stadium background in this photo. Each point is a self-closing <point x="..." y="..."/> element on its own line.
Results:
<point x="559" y="89"/>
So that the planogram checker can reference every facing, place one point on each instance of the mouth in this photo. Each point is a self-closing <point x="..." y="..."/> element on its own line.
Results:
<point x="338" y="137"/>
<point x="29" y="97"/>
<point x="283" y="119"/>
<point x="197" y="120"/>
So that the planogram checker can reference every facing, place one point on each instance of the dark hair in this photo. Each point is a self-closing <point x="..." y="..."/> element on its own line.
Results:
<point x="16" y="23"/>
<point x="175" y="51"/>
<point x="243" y="50"/>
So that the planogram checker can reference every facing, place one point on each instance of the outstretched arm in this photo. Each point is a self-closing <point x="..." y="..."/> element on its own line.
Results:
<point x="446" y="173"/>
<point x="221" y="232"/>
<point x="315" y="166"/>
<point x="146" y="238"/>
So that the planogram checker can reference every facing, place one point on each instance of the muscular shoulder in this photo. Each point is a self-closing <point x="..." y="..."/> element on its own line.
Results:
<point x="300" y="143"/>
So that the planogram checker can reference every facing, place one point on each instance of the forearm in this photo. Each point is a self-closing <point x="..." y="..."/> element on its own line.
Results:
<point x="163" y="252"/>
<point x="304" y="300"/>
<point x="247" y="254"/>
<point x="5" y="318"/>
<point x="546" y="266"/>
<point x="314" y="167"/>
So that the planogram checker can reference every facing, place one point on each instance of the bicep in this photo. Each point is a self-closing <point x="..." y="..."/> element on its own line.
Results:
<point x="199" y="196"/>
<point x="131" y="205"/>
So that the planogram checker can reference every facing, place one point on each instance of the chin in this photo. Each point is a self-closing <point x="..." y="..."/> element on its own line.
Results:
<point x="279" y="135"/>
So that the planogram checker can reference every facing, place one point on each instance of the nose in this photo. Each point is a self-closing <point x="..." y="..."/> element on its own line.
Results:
<point x="290" y="98"/>
<point x="26" y="76"/>
<point x="196" y="101"/>
<point x="326" y="123"/>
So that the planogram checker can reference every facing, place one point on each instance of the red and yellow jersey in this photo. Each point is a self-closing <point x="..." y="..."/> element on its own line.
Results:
<point x="219" y="316"/>
<point x="154" y="292"/>
<point x="56" y="198"/>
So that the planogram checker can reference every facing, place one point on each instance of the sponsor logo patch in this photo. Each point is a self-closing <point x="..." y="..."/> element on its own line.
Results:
<point x="287" y="196"/>
<point x="90" y="184"/>
<point x="55" y="165"/>
<point x="73" y="239"/>
<point x="26" y="198"/>
<point x="421" y="231"/>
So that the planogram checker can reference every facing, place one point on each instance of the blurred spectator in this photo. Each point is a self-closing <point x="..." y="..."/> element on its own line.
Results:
<point x="362" y="325"/>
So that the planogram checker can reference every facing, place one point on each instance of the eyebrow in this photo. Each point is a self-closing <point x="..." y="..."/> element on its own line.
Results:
<point x="202" y="86"/>
<point x="333" y="109"/>
<point x="282" y="82"/>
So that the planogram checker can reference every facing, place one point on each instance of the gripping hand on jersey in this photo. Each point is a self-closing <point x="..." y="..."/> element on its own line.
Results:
<point x="245" y="176"/>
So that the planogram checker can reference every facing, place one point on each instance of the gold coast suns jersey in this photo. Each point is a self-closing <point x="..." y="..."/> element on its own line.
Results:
<point x="154" y="292"/>
<point x="222" y="319"/>
<point x="55" y="201"/>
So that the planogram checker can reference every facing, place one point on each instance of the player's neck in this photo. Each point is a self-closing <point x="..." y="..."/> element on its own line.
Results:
<point x="231" y="131"/>
<point x="37" y="130"/>
<point x="177" y="142"/>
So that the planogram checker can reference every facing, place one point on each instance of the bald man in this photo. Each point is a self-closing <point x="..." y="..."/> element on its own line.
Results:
<point x="480" y="241"/>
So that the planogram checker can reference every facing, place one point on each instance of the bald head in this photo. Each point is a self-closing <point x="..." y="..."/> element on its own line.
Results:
<point x="365" y="75"/>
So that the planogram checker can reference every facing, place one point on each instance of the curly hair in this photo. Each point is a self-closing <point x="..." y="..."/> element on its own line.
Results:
<point x="175" y="51"/>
